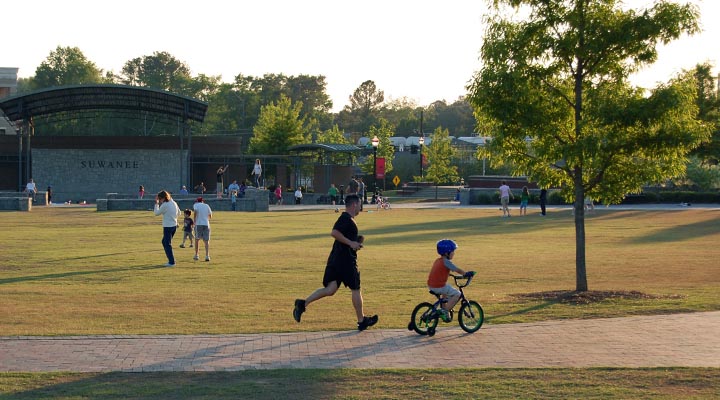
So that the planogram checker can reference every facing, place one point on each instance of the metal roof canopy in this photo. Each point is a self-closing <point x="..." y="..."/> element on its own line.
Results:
<point x="101" y="97"/>
<point x="328" y="147"/>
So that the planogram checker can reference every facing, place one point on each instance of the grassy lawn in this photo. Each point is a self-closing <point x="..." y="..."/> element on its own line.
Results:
<point x="66" y="271"/>
<point x="672" y="383"/>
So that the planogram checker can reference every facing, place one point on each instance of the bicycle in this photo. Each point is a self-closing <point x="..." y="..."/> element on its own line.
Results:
<point x="383" y="203"/>
<point x="425" y="316"/>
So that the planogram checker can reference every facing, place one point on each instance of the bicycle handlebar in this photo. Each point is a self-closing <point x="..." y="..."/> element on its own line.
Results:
<point x="468" y="275"/>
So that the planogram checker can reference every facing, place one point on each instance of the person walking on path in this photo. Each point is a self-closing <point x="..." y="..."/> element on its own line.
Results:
<point x="166" y="206"/>
<point x="219" y="173"/>
<point x="505" y="195"/>
<point x="203" y="214"/>
<point x="342" y="266"/>
<point x="543" y="201"/>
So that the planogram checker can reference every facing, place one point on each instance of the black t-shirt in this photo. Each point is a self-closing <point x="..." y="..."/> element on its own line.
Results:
<point x="341" y="254"/>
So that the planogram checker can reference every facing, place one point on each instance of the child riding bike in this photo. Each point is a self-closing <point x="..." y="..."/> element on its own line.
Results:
<point x="437" y="280"/>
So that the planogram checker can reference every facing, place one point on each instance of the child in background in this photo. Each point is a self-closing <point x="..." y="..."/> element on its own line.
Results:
<point x="524" y="198"/>
<point x="437" y="280"/>
<point x="278" y="195"/>
<point x="141" y="192"/>
<point x="188" y="225"/>
<point x="233" y="199"/>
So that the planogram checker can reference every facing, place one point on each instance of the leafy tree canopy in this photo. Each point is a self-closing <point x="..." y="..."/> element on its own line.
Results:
<point x="553" y="87"/>
<point x="278" y="128"/>
<point x="439" y="155"/>
<point x="66" y="66"/>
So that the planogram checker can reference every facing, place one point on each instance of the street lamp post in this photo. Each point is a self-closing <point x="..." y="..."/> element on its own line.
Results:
<point x="375" y="144"/>
<point x="421" y="141"/>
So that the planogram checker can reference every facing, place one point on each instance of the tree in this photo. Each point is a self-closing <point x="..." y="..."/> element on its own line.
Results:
<point x="385" y="149"/>
<point x="439" y="155"/>
<point x="554" y="85"/>
<point x="312" y="92"/>
<point x="278" y="128"/>
<point x="363" y="110"/>
<point x="332" y="136"/>
<point x="161" y="70"/>
<point x="457" y="117"/>
<point x="708" y="101"/>
<point x="402" y="113"/>
<point x="66" y="66"/>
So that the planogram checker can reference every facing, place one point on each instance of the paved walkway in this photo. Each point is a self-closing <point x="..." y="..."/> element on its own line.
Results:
<point x="687" y="340"/>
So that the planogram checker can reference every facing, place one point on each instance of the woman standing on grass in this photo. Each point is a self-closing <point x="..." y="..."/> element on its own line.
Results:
<point x="166" y="206"/>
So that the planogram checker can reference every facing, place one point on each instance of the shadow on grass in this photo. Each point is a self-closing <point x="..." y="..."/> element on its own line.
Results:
<point x="682" y="232"/>
<point x="417" y="229"/>
<point x="248" y="374"/>
<point x="266" y="384"/>
<point x="75" y="273"/>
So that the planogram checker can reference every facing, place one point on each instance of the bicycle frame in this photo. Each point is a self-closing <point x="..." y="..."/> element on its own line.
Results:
<point x="426" y="316"/>
<point x="462" y="300"/>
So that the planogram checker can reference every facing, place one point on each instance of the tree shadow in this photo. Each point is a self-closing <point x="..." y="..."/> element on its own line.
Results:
<point x="31" y="278"/>
<point x="234" y="371"/>
<point x="416" y="229"/>
<point x="682" y="232"/>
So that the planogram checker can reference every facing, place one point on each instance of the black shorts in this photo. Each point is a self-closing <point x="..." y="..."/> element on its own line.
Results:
<point x="347" y="275"/>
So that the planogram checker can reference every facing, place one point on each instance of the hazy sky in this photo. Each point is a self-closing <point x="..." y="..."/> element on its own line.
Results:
<point x="419" y="49"/>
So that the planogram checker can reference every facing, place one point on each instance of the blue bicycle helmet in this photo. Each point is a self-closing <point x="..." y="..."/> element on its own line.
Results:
<point x="446" y="246"/>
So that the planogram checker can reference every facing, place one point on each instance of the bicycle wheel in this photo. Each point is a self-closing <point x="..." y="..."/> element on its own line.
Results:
<point x="471" y="316"/>
<point x="421" y="319"/>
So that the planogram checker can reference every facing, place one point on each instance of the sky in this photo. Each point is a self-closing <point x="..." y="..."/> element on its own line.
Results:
<point x="416" y="49"/>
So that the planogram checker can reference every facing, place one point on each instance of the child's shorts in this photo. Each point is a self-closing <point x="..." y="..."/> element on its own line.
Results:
<point x="446" y="290"/>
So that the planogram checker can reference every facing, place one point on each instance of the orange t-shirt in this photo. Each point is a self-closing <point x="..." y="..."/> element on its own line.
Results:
<point x="439" y="273"/>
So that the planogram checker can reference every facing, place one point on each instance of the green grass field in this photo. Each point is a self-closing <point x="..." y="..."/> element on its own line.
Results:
<point x="67" y="271"/>
<point x="595" y="383"/>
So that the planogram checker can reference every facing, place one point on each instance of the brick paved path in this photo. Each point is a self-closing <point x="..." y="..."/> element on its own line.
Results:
<point x="691" y="340"/>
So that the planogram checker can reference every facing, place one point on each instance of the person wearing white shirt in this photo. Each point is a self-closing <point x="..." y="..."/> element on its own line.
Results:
<point x="257" y="171"/>
<point x="31" y="189"/>
<point x="203" y="214"/>
<point x="298" y="195"/>
<point x="166" y="206"/>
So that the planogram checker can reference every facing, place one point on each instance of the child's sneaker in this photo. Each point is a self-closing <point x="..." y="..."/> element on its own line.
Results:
<point x="367" y="322"/>
<point x="195" y="257"/>
<point x="445" y="315"/>
<point x="182" y="246"/>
